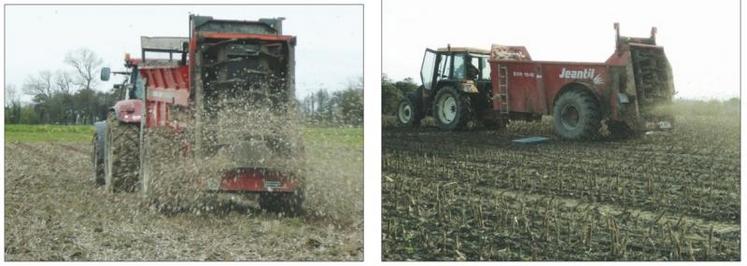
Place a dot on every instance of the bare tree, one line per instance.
(40, 86)
(354, 83)
(12, 105)
(86, 63)
(64, 82)
(11, 95)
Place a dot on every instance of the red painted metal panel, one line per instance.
(166, 85)
(256, 180)
(129, 111)
(158, 82)
(558, 75)
(523, 93)
(533, 85)
(151, 119)
(619, 58)
(168, 78)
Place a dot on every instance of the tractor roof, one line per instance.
(465, 49)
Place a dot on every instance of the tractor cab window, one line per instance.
(460, 68)
(484, 68)
(477, 68)
(475, 62)
(137, 88)
(444, 67)
(428, 68)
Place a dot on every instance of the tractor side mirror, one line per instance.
(106, 73)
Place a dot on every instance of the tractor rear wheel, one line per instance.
(451, 109)
(576, 115)
(406, 113)
(122, 155)
(289, 203)
(98, 162)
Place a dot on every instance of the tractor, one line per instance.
(463, 88)
(222, 63)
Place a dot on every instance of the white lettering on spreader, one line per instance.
(587, 73)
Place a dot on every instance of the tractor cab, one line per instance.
(455, 73)
(456, 66)
(462, 73)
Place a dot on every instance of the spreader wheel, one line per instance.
(122, 155)
(576, 115)
(288, 203)
(451, 109)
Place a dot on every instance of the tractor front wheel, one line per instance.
(122, 155)
(289, 203)
(576, 115)
(406, 113)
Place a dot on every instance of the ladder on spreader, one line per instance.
(503, 107)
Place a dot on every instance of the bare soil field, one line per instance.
(476, 196)
(53, 211)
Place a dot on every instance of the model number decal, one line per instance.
(523, 74)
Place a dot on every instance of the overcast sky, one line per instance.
(329, 51)
(700, 38)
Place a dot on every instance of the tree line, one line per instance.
(71, 96)
(393, 91)
(64, 96)
(343, 107)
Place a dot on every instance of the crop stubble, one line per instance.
(475, 196)
(54, 212)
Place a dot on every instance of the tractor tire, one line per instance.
(576, 115)
(122, 156)
(452, 110)
(288, 203)
(407, 114)
(98, 163)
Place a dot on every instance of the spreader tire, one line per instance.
(576, 115)
(122, 155)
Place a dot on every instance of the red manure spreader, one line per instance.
(466, 87)
(183, 86)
